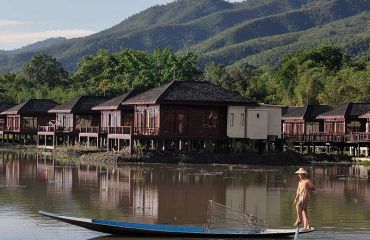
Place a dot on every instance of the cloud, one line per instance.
(23, 38)
(7, 23)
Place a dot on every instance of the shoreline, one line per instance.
(81, 154)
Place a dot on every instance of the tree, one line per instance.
(44, 70)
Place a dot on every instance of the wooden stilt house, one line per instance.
(3, 118)
(345, 120)
(180, 113)
(117, 121)
(25, 118)
(300, 121)
(74, 121)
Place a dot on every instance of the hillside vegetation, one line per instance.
(256, 32)
(319, 75)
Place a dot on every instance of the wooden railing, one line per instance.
(94, 129)
(54, 129)
(316, 137)
(146, 131)
(120, 130)
(46, 129)
(13, 129)
(358, 137)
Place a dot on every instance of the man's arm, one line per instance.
(311, 186)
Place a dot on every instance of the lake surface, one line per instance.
(173, 194)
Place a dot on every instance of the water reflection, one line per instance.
(168, 194)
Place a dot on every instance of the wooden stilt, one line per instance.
(108, 147)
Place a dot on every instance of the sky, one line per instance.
(27, 21)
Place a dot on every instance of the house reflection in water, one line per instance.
(103, 189)
(256, 200)
(14, 167)
(167, 194)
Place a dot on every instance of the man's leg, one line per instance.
(306, 222)
(299, 214)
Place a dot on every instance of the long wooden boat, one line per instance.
(160, 230)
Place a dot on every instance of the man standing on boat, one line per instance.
(302, 198)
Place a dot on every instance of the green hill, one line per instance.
(255, 31)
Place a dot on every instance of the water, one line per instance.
(171, 194)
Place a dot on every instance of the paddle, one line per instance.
(296, 236)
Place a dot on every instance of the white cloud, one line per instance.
(7, 23)
(23, 38)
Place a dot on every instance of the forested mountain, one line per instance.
(255, 31)
(38, 45)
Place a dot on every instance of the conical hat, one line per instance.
(301, 171)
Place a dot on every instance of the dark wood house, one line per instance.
(117, 120)
(3, 118)
(22, 121)
(345, 119)
(367, 117)
(183, 110)
(75, 118)
(303, 120)
(26, 117)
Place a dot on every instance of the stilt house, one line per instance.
(117, 120)
(75, 119)
(3, 118)
(184, 111)
(303, 120)
(345, 118)
(26, 117)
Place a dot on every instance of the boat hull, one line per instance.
(157, 230)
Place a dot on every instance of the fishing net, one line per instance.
(218, 216)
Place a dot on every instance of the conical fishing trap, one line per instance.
(219, 216)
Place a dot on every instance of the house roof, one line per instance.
(351, 110)
(293, 112)
(32, 106)
(6, 106)
(82, 104)
(194, 92)
(114, 103)
(307, 111)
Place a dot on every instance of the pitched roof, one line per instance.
(366, 115)
(114, 103)
(194, 92)
(32, 106)
(307, 111)
(293, 112)
(6, 106)
(347, 110)
(82, 104)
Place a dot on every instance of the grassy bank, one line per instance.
(251, 158)
(82, 154)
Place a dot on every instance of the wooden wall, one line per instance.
(188, 121)
(194, 121)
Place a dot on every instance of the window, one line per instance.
(30, 123)
(65, 120)
(354, 126)
(258, 115)
(210, 120)
(242, 119)
(231, 119)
